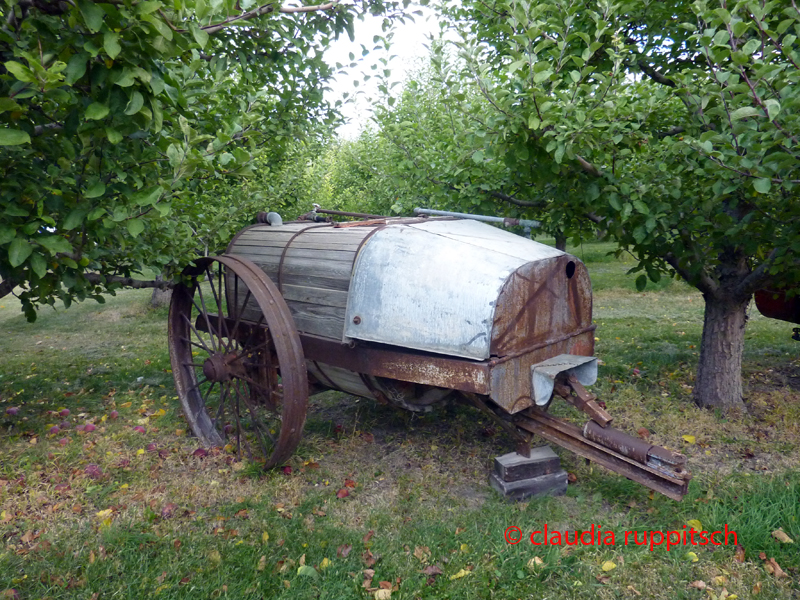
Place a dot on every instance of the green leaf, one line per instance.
(135, 226)
(135, 104)
(18, 251)
(92, 15)
(38, 265)
(477, 157)
(200, 36)
(96, 111)
(76, 68)
(7, 104)
(7, 234)
(15, 211)
(20, 71)
(114, 136)
(542, 75)
(126, 79)
(147, 197)
(13, 137)
(308, 571)
(559, 155)
(762, 185)
(55, 243)
(97, 189)
(641, 282)
(111, 44)
(773, 108)
(751, 46)
(74, 218)
(744, 112)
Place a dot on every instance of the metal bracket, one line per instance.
(543, 374)
(577, 395)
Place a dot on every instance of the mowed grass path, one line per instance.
(118, 513)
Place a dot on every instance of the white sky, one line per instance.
(409, 47)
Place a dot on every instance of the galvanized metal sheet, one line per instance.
(433, 286)
(543, 374)
(491, 238)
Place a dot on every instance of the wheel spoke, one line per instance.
(241, 437)
(208, 392)
(205, 314)
(220, 318)
(249, 352)
(222, 398)
(199, 338)
(257, 427)
(239, 312)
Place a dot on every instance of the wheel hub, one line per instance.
(221, 367)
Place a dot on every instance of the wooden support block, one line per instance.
(551, 484)
(515, 467)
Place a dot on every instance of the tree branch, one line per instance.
(305, 9)
(703, 282)
(588, 167)
(100, 279)
(264, 9)
(758, 278)
(655, 75)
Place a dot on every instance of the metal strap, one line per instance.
(286, 248)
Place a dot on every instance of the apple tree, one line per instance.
(116, 117)
(672, 125)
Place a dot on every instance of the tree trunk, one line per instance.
(160, 297)
(561, 242)
(719, 371)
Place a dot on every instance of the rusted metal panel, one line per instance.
(511, 377)
(400, 364)
(433, 286)
(541, 300)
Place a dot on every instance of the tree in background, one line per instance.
(440, 134)
(119, 120)
(674, 126)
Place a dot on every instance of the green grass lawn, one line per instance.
(118, 513)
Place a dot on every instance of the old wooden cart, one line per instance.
(408, 311)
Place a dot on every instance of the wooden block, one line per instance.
(552, 484)
(515, 467)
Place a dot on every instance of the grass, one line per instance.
(181, 526)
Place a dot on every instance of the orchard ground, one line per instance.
(376, 499)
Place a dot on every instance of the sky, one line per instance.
(409, 50)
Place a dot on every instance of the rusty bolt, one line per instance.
(357, 320)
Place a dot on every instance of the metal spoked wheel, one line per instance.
(237, 360)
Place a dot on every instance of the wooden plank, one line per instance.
(292, 253)
(313, 295)
(326, 321)
(304, 266)
(305, 280)
(328, 283)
